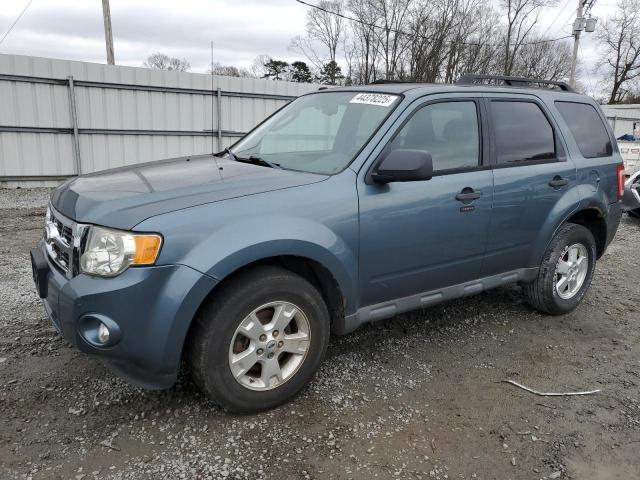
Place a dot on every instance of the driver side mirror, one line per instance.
(404, 165)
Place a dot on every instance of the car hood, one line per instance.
(124, 197)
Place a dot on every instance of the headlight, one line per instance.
(110, 252)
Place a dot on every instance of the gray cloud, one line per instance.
(240, 30)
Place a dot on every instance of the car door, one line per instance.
(425, 235)
(531, 173)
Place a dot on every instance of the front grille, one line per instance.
(65, 232)
(61, 256)
(62, 239)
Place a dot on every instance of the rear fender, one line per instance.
(595, 200)
(568, 204)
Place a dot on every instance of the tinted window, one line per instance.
(448, 131)
(587, 129)
(522, 132)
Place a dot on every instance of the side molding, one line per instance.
(391, 308)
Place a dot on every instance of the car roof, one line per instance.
(420, 89)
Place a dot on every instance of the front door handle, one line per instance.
(468, 195)
(558, 182)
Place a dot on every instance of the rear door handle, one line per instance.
(558, 182)
(468, 195)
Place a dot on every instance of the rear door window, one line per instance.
(587, 129)
(522, 133)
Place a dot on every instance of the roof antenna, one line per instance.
(213, 132)
(213, 149)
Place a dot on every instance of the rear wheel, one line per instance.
(259, 340)
(565, 273)
(634, 213)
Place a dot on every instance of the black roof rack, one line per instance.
(382, 81)
(473, 79)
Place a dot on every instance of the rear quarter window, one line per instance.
(587, 129)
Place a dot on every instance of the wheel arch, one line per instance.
(592, 218)
(589, 213)
(311, 269)
(315, 272)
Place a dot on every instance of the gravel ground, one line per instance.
(415, 397)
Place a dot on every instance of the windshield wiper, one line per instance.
(252, 159)
(262, 161)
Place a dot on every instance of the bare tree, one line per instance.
(325, 26)
(349, 51)
(522, 17)
(161, 61)
(620, 37)
(439, 40)
(308, 48)
(482, 52)
(258, 69)
(390, 40)
(229, 71)
(363, 41)
(543, 59)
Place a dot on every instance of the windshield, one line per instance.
(318, 133)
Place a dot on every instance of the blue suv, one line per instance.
(347, 206)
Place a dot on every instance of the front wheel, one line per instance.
(565, 273)
(259, 340)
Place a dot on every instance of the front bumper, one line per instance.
(152, 308)
(631, 198)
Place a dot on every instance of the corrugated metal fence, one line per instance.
(59, 118)
(622, 118)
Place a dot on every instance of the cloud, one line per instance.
(240, 30)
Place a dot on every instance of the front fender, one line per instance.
(317, 221)
(240, 244)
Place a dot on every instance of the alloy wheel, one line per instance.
(269, 346)
(571, 270)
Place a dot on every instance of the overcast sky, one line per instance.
(240, 29)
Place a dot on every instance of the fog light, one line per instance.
(103, 333)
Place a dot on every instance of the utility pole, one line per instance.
(108, 35)
(581, 23)
(576, 41)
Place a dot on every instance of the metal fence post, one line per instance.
(74, 126)
(219, 106)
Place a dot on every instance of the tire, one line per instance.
(545, 293)
(218, 339)
(634, 213)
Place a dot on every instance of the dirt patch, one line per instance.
(413, 397)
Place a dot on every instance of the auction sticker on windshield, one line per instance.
(380, 99)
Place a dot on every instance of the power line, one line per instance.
(16, 21)
(566, 4)
(591, 86)
(401, 32)
(588, 6)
